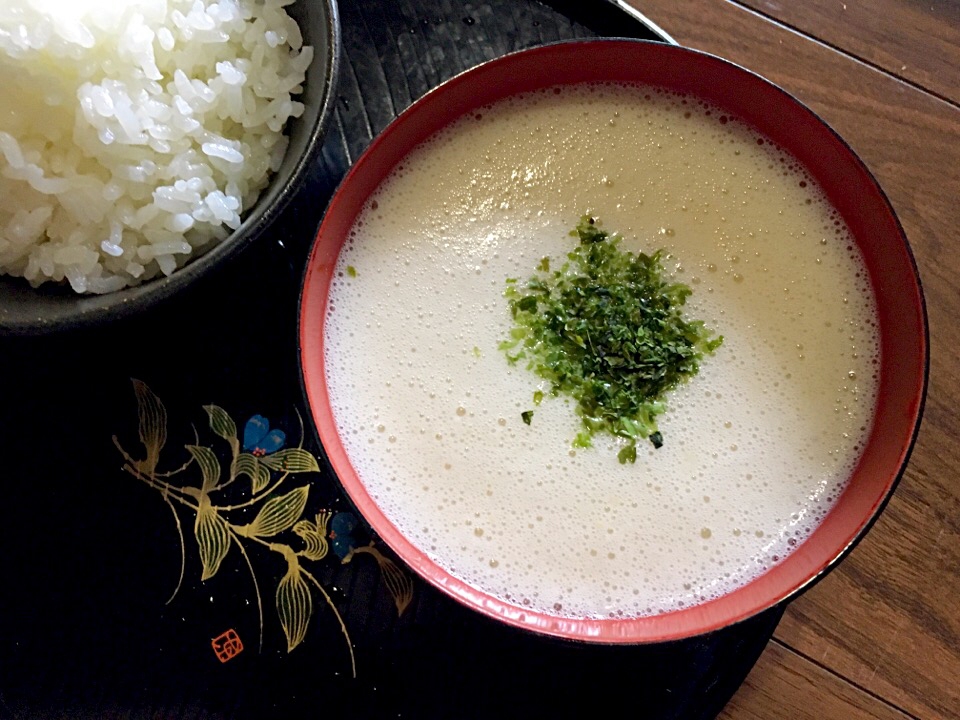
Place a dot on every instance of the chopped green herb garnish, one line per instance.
(607, 329)
(476, 351)
(527, 416)
(351, 271)
(538, 397)
(628, 453)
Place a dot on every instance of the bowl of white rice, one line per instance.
(143, 142)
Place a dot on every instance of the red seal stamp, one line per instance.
(227, 645)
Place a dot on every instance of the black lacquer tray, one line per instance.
(90, 551)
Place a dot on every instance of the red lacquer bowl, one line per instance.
(849, 186)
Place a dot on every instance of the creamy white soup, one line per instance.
(756, 447)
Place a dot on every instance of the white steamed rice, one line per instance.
(134, 133)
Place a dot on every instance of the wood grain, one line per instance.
(917, 41)
(800, 690)
(887, 619)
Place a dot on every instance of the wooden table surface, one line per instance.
(880, 636)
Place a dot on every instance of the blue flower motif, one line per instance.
(259, 439)
(341, 534)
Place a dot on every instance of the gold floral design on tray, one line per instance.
(261, 458)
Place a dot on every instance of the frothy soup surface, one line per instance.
(756, 447)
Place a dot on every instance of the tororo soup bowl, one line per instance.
(848, 186)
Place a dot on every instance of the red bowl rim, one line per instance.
(472, 89)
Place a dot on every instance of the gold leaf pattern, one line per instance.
(213, 538)
(294, 604)
(278, 513)
(153, 424)
(295, 460)
(249, 465)
(314, 536)
(397, 581)
(223, 425)
(215, 528)
(209, 465)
